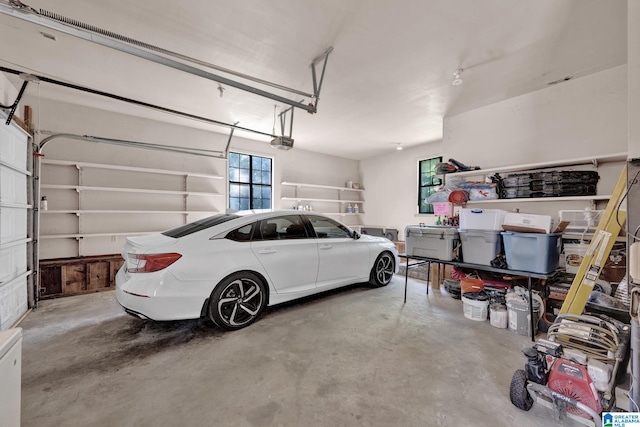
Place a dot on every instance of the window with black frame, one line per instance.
(428, 182)
(249, 181)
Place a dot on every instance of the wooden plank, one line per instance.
(74, 278)
(51, 281)
(98, 275)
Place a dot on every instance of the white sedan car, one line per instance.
(228, 267)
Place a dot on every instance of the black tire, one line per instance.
(382, 270)
(518, 391)
(237, 301)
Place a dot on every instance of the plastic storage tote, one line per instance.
(481, 219)
(537, 253)
(480, 246)
(430, 242)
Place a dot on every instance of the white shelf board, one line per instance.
(81, 235)
(542, 199)
(606, 158)
(343, 213)
(111, 211)
(328, 187)
(128, 168)
(126, 190)
(306, 199)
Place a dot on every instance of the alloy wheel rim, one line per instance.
(240, 302)
(384, 269)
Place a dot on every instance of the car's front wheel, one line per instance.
(382, 270)
(237, 301)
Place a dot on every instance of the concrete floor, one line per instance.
(354, 357)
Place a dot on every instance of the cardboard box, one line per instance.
(527, 223)
(439, 272)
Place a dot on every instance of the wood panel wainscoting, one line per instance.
(75, 276)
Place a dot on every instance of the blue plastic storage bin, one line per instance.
(537, 253)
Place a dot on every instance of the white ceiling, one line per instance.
(388, 79)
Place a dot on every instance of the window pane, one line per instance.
(257, 177)
(424, 193)
(234, 160)
(266, 192)
(244, 175)
(234, 174)
(266, 177)
(234, 190)
(244, 161)
(234, 203)
(242, 234)
(266, 203)
(244, 204)
(244, 190)
(256, 163)
(266, 164)
(193, 227)
(326, 228)
(256, 203)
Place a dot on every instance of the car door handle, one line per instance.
(325, 246)
(267, 251)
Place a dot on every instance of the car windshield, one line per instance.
(196, 226)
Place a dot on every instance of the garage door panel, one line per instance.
(13, 301)
(13, 262)
(13, 186)
(13, 224)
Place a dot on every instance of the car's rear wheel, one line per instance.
(382, 270)
(237, 301)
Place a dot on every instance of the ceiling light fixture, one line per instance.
(399, 146)
(457, 80)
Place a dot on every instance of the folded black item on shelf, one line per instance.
(553, 177)
(550, 190)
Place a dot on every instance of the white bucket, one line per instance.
(475, 310)
(573, 254)
(498, 315)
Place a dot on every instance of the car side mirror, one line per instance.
(356, 236)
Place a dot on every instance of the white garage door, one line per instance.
(14, 210)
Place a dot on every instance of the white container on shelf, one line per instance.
(573, 254)
(480, 246)
(482, 219)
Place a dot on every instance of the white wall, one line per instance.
(294, 165)
(8, 93)
(578, 118)
(391, 183)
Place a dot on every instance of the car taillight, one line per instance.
(147, 263)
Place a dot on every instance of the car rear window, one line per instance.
(196, 226)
